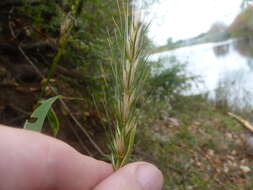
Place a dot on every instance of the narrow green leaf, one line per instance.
(39, 114)
(53, 121)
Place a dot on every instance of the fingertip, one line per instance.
(149, 176)
(134, 176)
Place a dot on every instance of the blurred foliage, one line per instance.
(167, 82)
(92, 23)
(242, 25)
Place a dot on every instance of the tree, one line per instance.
(242, 25)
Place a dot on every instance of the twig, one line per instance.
(80, 126)
(19, 110)
(11, 23)
(242, 121)
(16, 119)
(80, 141)
(30, 61)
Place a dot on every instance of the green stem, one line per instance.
(53, 68)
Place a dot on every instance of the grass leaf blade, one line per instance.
(39, 115)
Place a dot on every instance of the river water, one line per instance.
(225, 69)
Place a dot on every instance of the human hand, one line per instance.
(32, 161)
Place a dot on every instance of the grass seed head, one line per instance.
(128, 71)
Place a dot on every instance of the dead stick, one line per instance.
(242, 121)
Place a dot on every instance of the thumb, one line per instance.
(135, 176)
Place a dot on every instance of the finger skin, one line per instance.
(134, 176)
(32, 161)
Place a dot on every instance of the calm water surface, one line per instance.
(228, 64)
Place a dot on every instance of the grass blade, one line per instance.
(39, 114)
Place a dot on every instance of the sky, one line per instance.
(182, 19)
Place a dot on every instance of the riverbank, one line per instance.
(198, 146)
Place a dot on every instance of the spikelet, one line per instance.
(129, 74)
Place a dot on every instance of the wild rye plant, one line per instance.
(128, 71)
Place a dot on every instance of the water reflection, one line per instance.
(221, 50)
(228, 63)
(244, 46)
